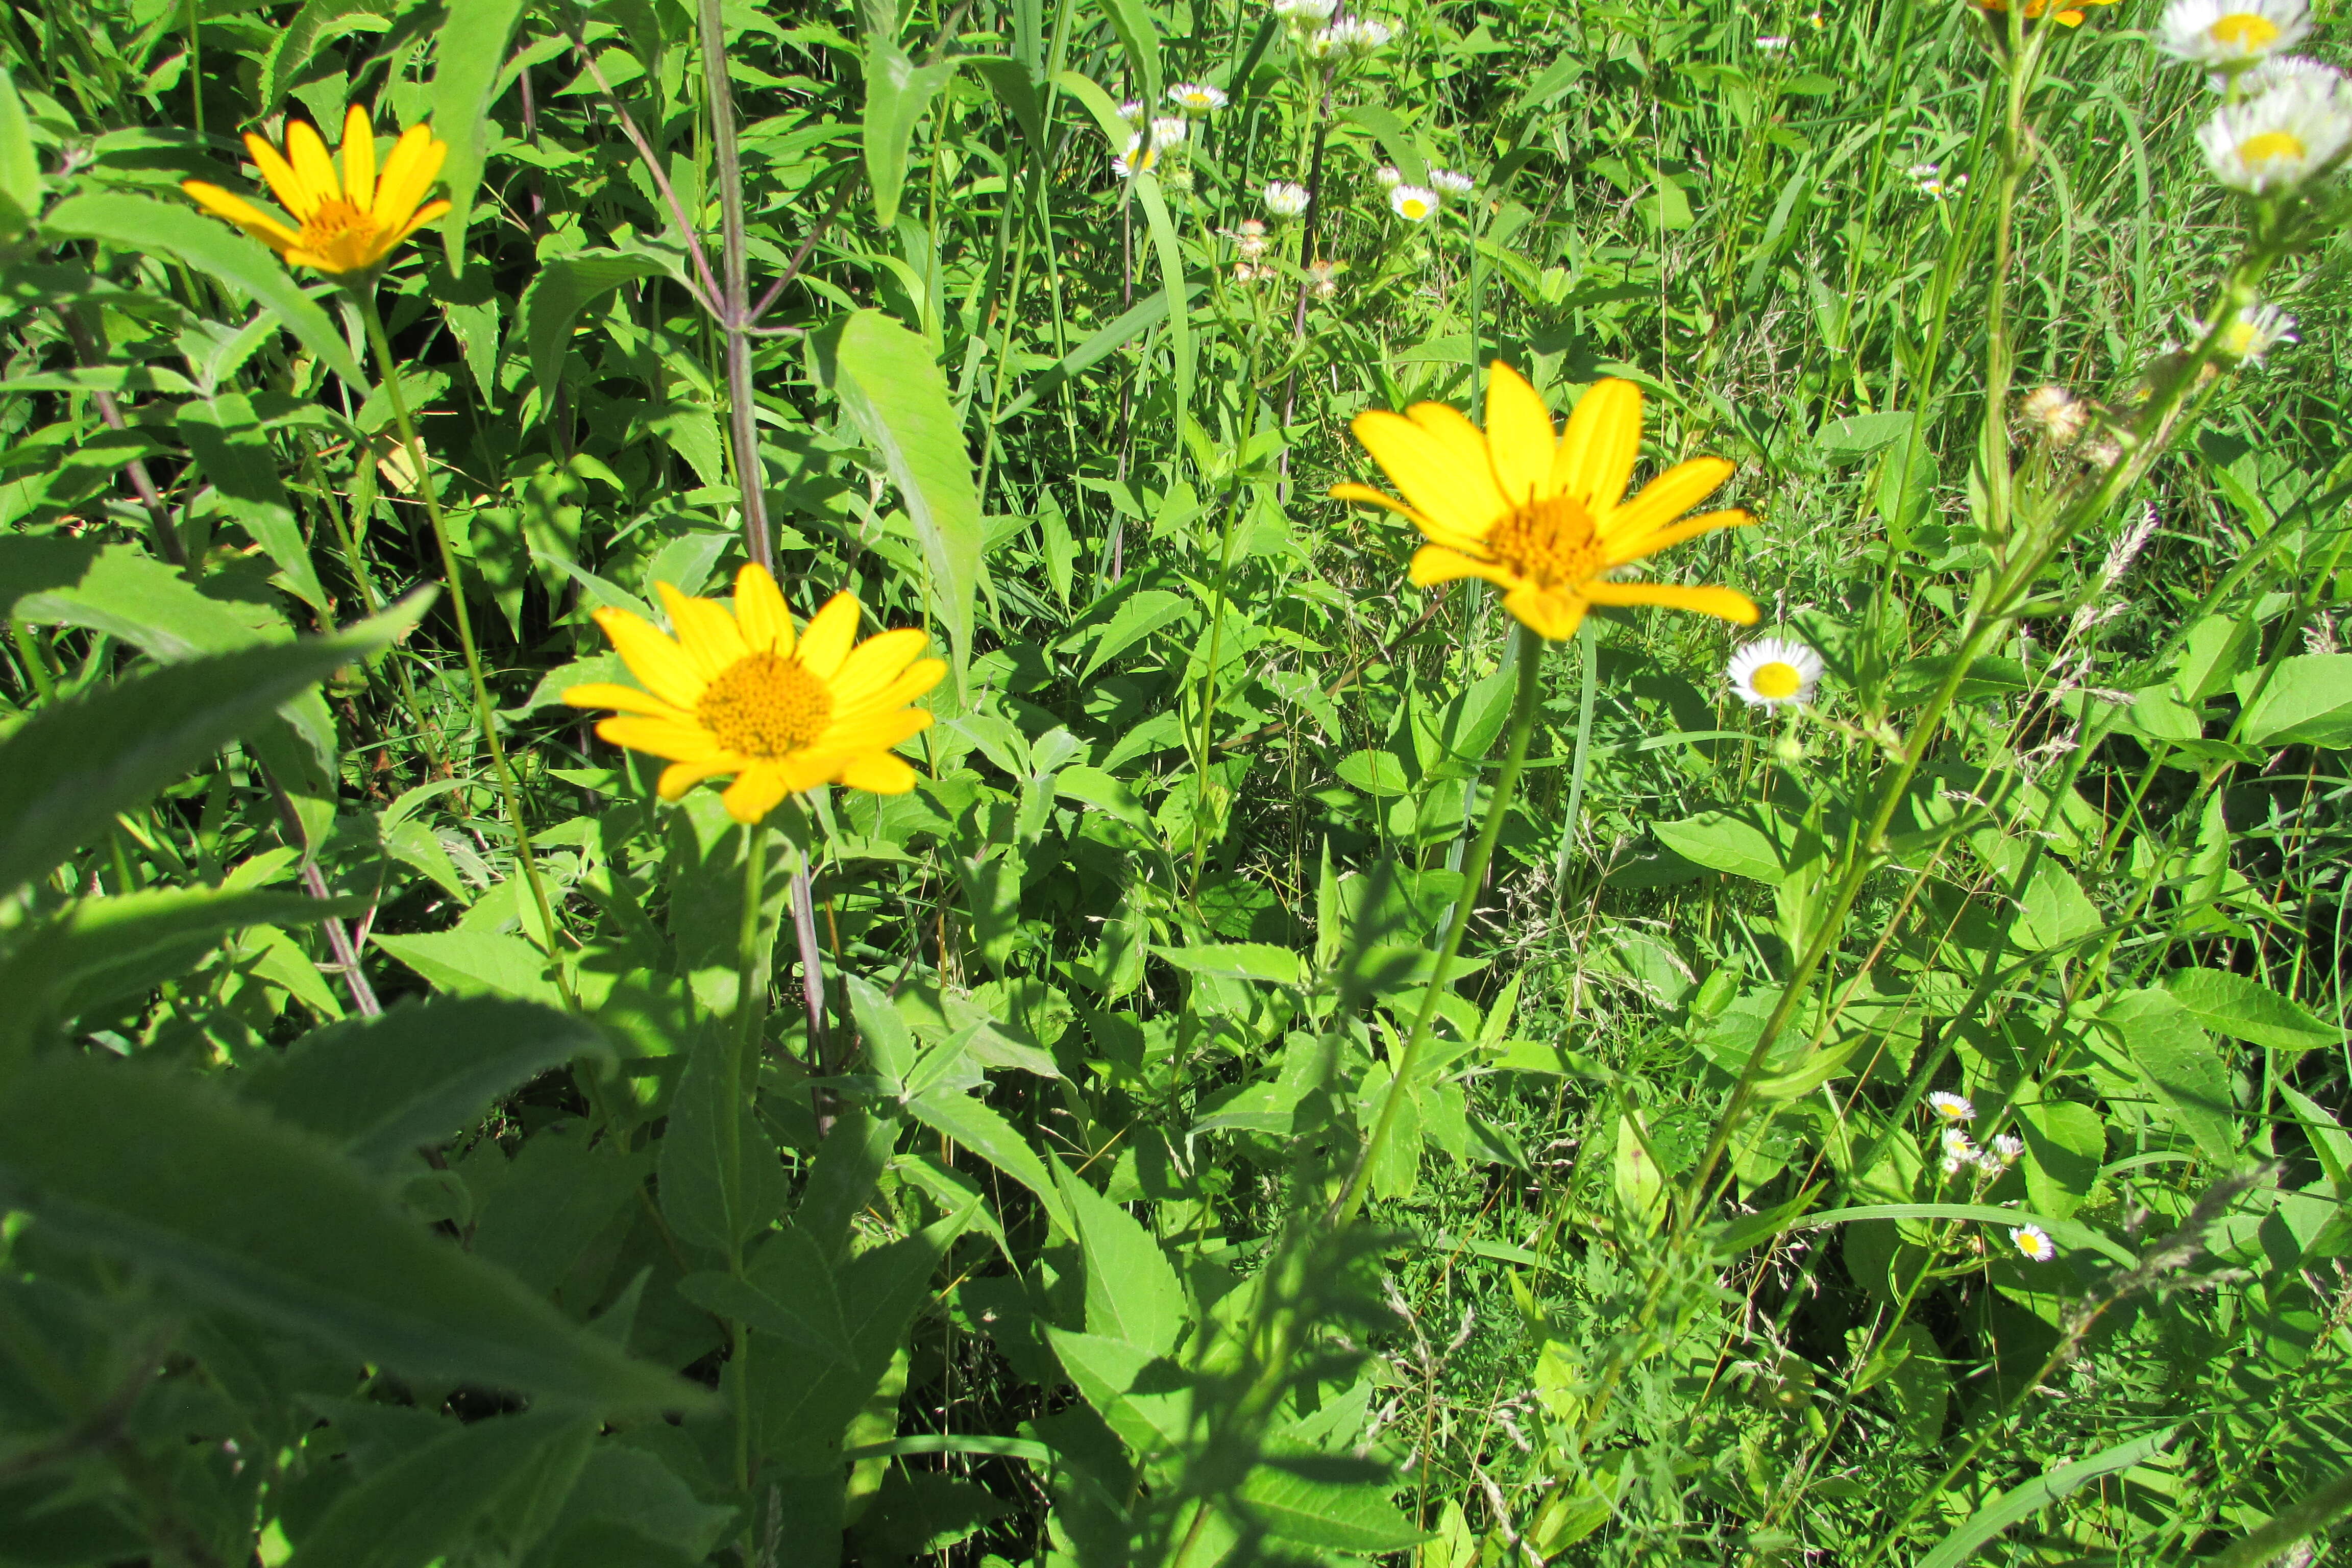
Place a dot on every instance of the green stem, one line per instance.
(742, 1058)
(363, 295)
(1530, 653)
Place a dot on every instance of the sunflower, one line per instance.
(739, 694)
(1543, 517)
(349, 221)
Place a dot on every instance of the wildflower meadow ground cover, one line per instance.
(1138, 784)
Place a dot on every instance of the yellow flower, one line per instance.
(1543, 519)
(2068, 16)
(351, 221)
(739, 694)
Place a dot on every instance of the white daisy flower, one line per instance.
(2034, 1243)
(2002, 1152)
(1166, 133)
(2257, 330)
(1768, 673)
(1304, 13)
(1453, 182)
(1358, 38)
(1953, 1107)
(1322, 46)
(1387, 177)
(1285, 199)
(1249, 238)
(2280, 70)
(1196, 98)
(2280, 139)
(1414, 204)
(1959, 1152)
(1134, 112)
(2230, 35)
(1141, 153)
(1772, 43)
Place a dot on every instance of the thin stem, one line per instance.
(734, 293)
(743, 1068)
(485, 711)
(1530, 653)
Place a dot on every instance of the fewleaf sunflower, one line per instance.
(740, 694)
(351, 219)
(1543, 517)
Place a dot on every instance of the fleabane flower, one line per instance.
(1196, 98)
(1167, 132)
(2279, 140)
(1357, 37)
(2253, 333)
(1414, 204)
(1285, 199)
(351, 218)
(1951, 1108)
(742, 694)
(1304, 13)
(2230, 35)
(1959, 1152)
(1543, 517)
(2281, 70)
(1387, 177)
(2003, 1152)
(1453, 182)
(1768, 673)
(1135, 112)
(2034, 1244)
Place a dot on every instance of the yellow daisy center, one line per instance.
(2243, 30)
(339, 234)
(1550, 542)
(2029, 1245)
(1775, 680)
(1415, 209)
(2273, 147)
(763, 706)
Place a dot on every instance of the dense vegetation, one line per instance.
(1329, 1057)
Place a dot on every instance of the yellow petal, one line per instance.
(1518, 435)
(874, 664)
(1552, 614)
(1441, 487)
(1467, 446)
(824, 641)
(308, 154)
(1723, 602)
(874, 733)
(917, 679)
(1667, 497)
(705, 631)
(759, 610)
(1598, 451)
(757, 791)
(679, 777)
(284, 182)
(359, 158)
(424, 215)
(242, 212)
(627, 699)
(1433, 564)
(882, 774)
(1651, 544)
(659, 664)
(408, 174)
(662, 738)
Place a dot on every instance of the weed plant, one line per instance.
(925, 800)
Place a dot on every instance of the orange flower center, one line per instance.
(763, 706)
(1550, 542)
(339, 235)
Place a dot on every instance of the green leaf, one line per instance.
(1754, 842)
(1010, 81)
(2180, 1063)
(1139, 617)
(129, 595)
(68, 769)
(1147, 313)
(1238, 960)
(143, 226)
(1857, 436)
(721, 1182)
(20, 163)
(2065, 1143)
(2022, 1501)
(1154, 1419)
(897, 92)
(2308, 702)
(1353, 1518)
(379, 1088)
(1131, 1290)
(563, 286)
(1169, 257)
(243, 1212)
(227, 439)
(891, 388)
(1131, 20)
(317, 23)
(2245, 1008)
(468, 56)
(978, 1127)
(468, 962)
(423, 1504)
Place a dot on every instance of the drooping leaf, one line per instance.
(1359, 1519)
(143, 225)
(897, 93)
(980, 1129)
(225, 436)
(20, 163)
(470, 962)
(563, 286)
(1131, 1288)
(243, 1212)
(2026, 1499)
(468, 56)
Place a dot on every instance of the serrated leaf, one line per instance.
(1358, 1519)
(1131, 1290)
(423, 1504)
(473, 962)
(978, 1127)
(2245, 1008)
(2180, 1063)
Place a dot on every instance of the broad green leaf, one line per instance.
(20, 163)
(130, 595)
(2180, 1063)
(142, 226)
(1153, 1418)
(1131, 1290)
(470, 962)
(423, 1505)
(68, 769)
(2027, 1499)
(1107, 792)
(1754, 842)
(1857, 436)
(225, 436)
(1141, 615)
(1910, 1366)
(630, 1488)
(2245, 1008)
(2054, 911)
(2066, 1144)
(2308, 702)
(720, 1180)
(563, 286)
(897, 93)
(243, 1212)
(1237, 960)
(1131, 20)
(811, 1318)
(378, 1088)
(1011, 81)
(468, 53)
(1359, 1519)
(978, 1127)
(316, 25)
(893, 391)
